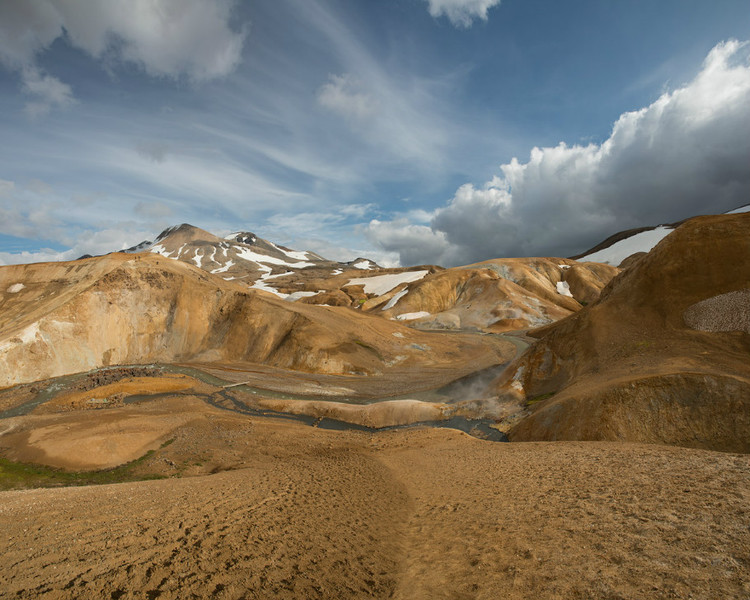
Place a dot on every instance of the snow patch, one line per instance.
(619, 251)
(159, 249)
(296, 255)
(294, 296)
(247, 254)
(279, 275)
(413, 315)
(225, 268)
(397, 334)
(382, 284)
(15, 288)
(337, 272)
(260, 285)
(363, 264)
(564, 266)
(392, 302)
(741, 209)
(198, 259)
(564, 289)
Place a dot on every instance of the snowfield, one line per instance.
(225, 268)
(619, 251)
(247, 254)
(412, 316)
(382, 284)
(295, 254)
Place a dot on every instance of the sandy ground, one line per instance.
(298, 512)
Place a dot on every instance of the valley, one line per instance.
(235, 419)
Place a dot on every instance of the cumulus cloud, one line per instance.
(47, 92)
(461, 12)
(344, 95)
(165, 38)
(687, 153)
(415, 244)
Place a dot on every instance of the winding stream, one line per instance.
(481, 428)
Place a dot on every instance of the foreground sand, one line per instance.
(297, 512)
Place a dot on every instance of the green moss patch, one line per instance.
(17, 475)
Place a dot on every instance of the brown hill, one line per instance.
(498, 295)
(60, 318)
(661, 357)
(492, 296)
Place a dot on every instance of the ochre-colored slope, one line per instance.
(629, 367)
(123, 309)
(501, 295)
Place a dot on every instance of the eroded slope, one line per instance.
(123, 309)
(631, 366)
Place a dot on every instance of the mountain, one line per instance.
(634, 243)
(497, 295)
(61, 318)
(662, 356)
(240, 256)
(492, 296)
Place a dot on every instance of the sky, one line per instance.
(408, 131)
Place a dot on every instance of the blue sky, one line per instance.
(411, 131)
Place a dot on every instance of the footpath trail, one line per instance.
(322, 525)
(408, 514)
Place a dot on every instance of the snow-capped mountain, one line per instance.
(620, 246)
(242, 256)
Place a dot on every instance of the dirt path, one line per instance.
(574, 520)
(409, 515)
(326, 525)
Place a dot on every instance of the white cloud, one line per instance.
(89, 242)
(166, 38)
(461, 12)
(415, 244)
(26, 212)
(153, 210)
(403, 117)
(687, 153)
(338, 252)
(345, 95)
(153, 150)
(48, 92)
(6, 187)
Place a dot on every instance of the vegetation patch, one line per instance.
(17, 475)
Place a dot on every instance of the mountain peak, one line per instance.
(186, 233)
